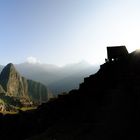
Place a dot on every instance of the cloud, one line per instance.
(32, 60)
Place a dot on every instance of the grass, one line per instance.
(27, 108)
(16, 112)
(8, 112)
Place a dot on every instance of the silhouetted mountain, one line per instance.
(57, 79)
(106, 106)
(15, 87)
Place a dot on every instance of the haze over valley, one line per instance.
(57, 79)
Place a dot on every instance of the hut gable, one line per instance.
(116, 52)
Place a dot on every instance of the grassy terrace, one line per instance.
(18, 109)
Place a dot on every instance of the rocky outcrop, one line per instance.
(1, 90)
(14, 85)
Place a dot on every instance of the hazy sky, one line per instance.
(66, 31)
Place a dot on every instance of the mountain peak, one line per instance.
(10, 78)
(8, 71)
(9, 67)
(17, 86)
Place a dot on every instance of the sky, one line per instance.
(66, 31)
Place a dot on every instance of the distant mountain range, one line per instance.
(57, 79)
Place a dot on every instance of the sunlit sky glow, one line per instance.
(66, 31)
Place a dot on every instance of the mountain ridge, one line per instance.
(56, 77)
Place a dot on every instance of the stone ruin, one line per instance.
(115, 53)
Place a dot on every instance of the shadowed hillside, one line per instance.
(106, 106)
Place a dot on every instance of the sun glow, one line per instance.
(138, 50)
